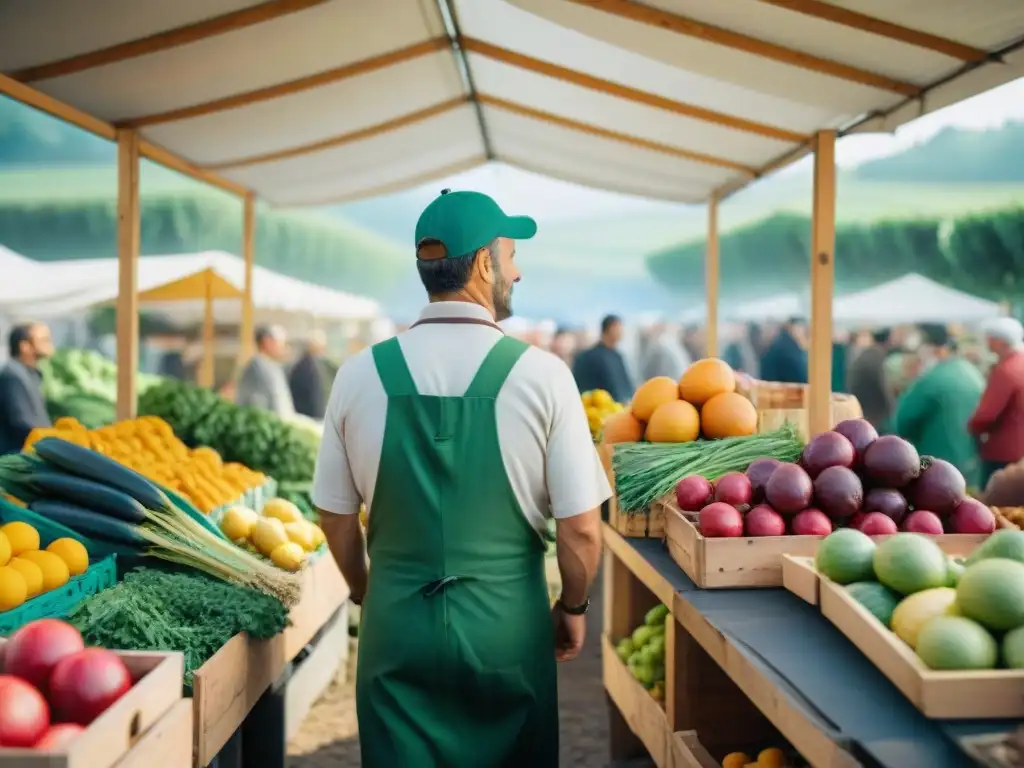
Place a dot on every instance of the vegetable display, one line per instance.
(248, 436)
(149, 446)
(848, 477)
(172, 530)
(52, 686)
(955, 614)
(646, 472)
(155, 609)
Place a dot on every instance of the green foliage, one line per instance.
(982, 253)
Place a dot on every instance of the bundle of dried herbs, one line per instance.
(186, 611)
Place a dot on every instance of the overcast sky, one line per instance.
(518, 190)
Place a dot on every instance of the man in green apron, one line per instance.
(463, 443)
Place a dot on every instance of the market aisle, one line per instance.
(328, 738)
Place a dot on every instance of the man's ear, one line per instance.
(485, 266)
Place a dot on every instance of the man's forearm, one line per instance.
(348, 546)
(579, 553)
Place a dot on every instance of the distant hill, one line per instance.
(956, 156)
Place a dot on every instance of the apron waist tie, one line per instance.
(439, 585)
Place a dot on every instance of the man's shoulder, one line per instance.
(539, 365)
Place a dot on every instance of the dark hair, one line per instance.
(19, 333)
(796, 320)
(608, 321)
(935, 334)
(881, 335)
(440, 273)
(263, 332)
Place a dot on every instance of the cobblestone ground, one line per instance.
(329, 736)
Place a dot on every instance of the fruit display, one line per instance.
(646, 472)
(849, 477)
(28, 569)
(280, 532)
(955, 614)
(82, 384)
(704, 402)
(643, 651)
(599, 405)
(248, 436)
(772, 757)
(52, 687)
(109, 505)
(149, 446)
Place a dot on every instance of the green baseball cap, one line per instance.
(464, 222)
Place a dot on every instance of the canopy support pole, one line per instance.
(128, 224)
(711, 279)
(206, 370)
(247, 342)
(823, 240)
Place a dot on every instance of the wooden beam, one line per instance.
(627, 93)
(604, 133)
(30, 97)
(206, 368)
(247, 342)
(900, 34)
(163, 41)
(682, 25)
(167, 159)
(823, 240)
(711, 272)
(128, 224)
(280, 90)
(350, 137)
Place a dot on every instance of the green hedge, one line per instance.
(306, 246)
(983, 254)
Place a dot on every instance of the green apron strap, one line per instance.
(394, 373)
(495, 368)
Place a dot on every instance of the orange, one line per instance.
(674, 422)
(706, 378)
(728, 415)
(652, 393)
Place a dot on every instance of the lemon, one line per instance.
(55, 571)
(238, 522)
(318, 535)
(301, 534)
(288, 556)
(73, 553)
(283, 510)
(31, 572)
(13, 589)
(587, 398)
(5, 549)
(601, 399)
(268, 534)
(22, 536)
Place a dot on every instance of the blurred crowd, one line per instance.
(956, 393)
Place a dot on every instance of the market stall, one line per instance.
(856, 598)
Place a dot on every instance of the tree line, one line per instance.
(980, 253)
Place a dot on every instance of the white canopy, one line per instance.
(67, 286)
(314, 101)
(912, 298)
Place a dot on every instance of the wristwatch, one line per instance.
(575, 610)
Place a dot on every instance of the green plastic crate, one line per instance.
(58, 603)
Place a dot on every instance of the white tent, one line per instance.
(775, 308)
(912, 298)
(61, 287)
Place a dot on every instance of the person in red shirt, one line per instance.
(999, 420)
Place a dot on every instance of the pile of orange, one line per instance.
(704, 402)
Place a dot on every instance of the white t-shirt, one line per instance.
(549, 456)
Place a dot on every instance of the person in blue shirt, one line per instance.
(602, 366)
(786, 358)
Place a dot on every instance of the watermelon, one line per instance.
(877, 598)
(846, 556)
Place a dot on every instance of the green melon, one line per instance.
(911, 562)
(877, 598)
(954, 570)
(656, 616)
(1004, 543)
(846, 556)
(992, 593)
(953, 642)
(1013, 648)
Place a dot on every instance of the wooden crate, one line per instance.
(643, 714)
(158, 684)
(974, 695)
(636, 525)
(770, 419)
(688, 752)
(168, 744)
(756, 562)
(228, 685)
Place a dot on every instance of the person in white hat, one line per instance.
(999, 420)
